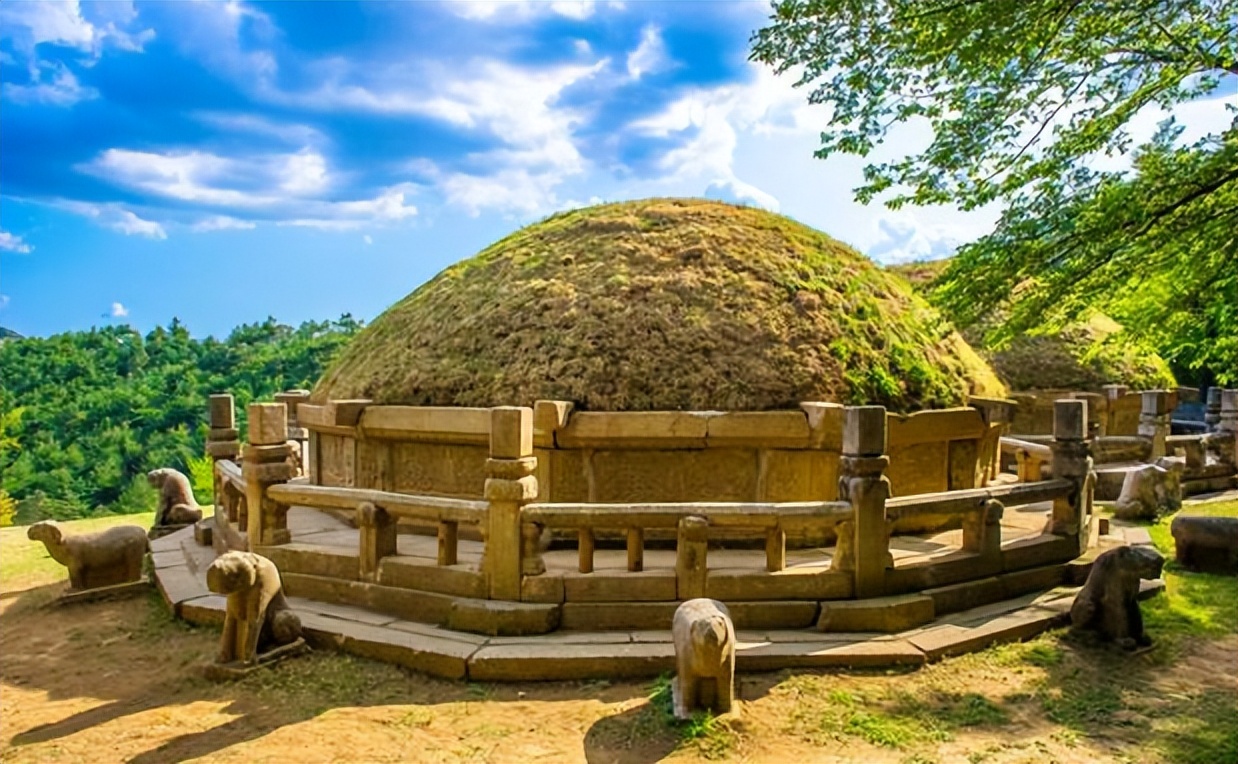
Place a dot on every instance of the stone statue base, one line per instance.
(226, 672)
(116, 591)
(204, 532)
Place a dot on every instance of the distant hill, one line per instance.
(9, 334)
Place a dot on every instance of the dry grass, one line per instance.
(1084, 356)
(662, 304)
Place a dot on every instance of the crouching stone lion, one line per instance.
(257, 618)
(704, 638)
(1108, 604)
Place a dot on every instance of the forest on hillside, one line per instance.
(84, 415)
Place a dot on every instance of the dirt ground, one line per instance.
(120, 681)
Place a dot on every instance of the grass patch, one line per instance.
(712, 738)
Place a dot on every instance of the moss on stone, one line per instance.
(662, 304)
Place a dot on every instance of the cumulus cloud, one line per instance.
(922, 234)
(62, 23)
(50, 83)
(221, 223)
(738, 192)
(650, 55)
(119, 310)
(195, 176)
(13, 243)
(292, 133)
(115, 217)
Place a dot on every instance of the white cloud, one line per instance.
(301, 135)
(212, 179)
(388, 207)
(221, 223)
(13, 243)
(119, 311)
(4, 300)
(736, 191)
(920, 234)
(113, 216)
(650, 55)
(367, 239)
(494, 10)
(60, 23)
(582, 47)
(50, 83)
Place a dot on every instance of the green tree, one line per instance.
(1023, 96)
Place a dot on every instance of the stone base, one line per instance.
(116, 591)
(204, 532)
(225, 672)
(160, 531)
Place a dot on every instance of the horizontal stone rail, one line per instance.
(691, 519)
(230, 492)
(973, 499)
(1192, 447)
(1029, 457)
(377, 513)
(427, 508)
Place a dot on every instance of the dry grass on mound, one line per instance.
(662, 304)
(1084, 356)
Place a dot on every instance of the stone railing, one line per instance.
(377, 513)
(230, 493)
(512, 521)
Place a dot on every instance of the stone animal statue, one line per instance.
(294, 458)
(1149, 491)
(1206, 544)
(704, 638)
(104, 558)
(257, 617)
(177, 505)
(1108, 604)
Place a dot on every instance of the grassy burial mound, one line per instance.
(1083, 356)
(662, 304)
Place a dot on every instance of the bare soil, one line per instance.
(119, 681)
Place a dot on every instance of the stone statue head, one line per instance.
(45, 531)
(230, 573)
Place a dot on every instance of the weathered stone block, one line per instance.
(503, 619)
(882, 614)
(223, 412)
(864, 432)
(1070, 419)
(511, 432)
(268, 424)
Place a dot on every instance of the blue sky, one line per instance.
(221, 162)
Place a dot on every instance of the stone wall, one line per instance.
(610, 457)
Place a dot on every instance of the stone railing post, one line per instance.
(509, 486)
(265, 464)
(377, 537)
(1112, 393)
(862, 482)
(1154, 419)
(1223, 443)
(223, 443)
(1212, 408)
(691, 557)
(296, 433)
(1072, 460)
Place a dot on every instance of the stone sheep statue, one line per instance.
(1149, 491)
(1108, 604)
(704, 638)
(1206, 544)
(257, 617)
(177, 506)
(104, 558)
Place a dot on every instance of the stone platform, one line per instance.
(1027, 603)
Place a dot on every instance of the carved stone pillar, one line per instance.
(223, 440)
(862, 482)
(296, 433)
(1154, 419)
(265, 463)
(509, 486)
(1212, 408)
(1072, 460)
